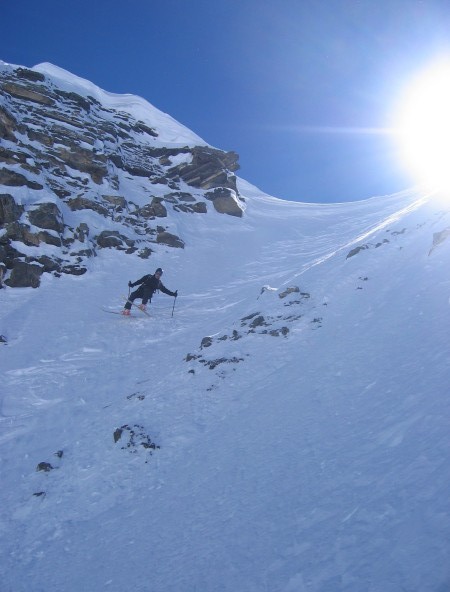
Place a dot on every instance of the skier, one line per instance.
(147, 287)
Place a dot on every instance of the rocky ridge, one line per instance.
(77, 176)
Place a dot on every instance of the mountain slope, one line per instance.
(285, 430)
(83, 170)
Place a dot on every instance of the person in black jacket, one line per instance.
(147, 287)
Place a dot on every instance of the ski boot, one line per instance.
(126, 312)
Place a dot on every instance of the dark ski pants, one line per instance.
(139, 293)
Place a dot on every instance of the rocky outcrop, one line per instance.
(25, 93)
(13, 179)
(114, 239)
(134, 436)
(225, 201)
(439, 238)
(208, 168)
(156, 209)
(66, 159)
(196, 208)
(9, 210)
(360, 248)
(25, 275)
(20, 232)
(85, 161)
(171, 240)
(8, 125)
(84, 203)
(48, 216)
(117, 201)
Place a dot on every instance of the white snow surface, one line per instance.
(312, 461)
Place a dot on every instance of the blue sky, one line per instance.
(293, 86)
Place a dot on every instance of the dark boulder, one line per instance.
(225, 201)
(9, 210)
(47, 216)
(13, 179)
(171, 240)
(207, 169)
(83, 203)
(154, 210)
(25, 275)
(113, 238)
(8, 125)
(25, 93)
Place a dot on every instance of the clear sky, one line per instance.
(297, 87)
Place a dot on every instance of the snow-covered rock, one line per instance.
(68, 145)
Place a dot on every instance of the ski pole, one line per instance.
(173, 307)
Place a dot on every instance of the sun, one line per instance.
(424, 127)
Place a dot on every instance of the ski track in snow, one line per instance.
(315, 460)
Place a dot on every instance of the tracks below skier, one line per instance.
(148, 285)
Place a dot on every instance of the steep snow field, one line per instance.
(303, 447)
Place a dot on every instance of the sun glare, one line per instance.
(424, 128)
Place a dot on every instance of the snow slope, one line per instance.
(307, 451)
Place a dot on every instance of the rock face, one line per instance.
(9, 210)
(48, 216)
(25, 274)
(225, 201)
(66, 156)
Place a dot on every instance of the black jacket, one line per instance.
(149, 284)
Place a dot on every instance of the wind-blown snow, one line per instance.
(315, 461)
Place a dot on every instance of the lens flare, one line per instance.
(424, 128)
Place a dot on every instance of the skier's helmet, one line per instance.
(159, 270)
